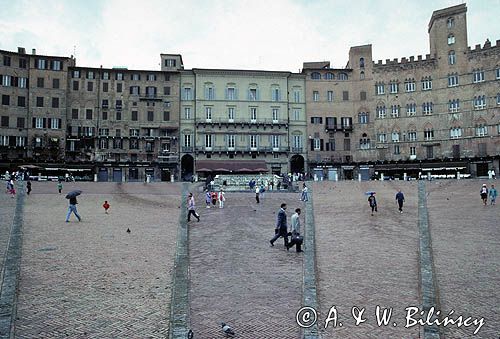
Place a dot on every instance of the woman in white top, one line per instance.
(221, 198)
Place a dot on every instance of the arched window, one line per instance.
(329, 76)
(343, 76)
(364, 142)
(362, 62)
(361, 75)
(451, 39)
(315, 76)
(452, 58)
(450, 22)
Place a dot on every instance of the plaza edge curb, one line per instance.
(11, 270)
(179, 305)
(309, 285)
(428, 283)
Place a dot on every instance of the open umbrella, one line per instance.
(370, 193)
(73, 194)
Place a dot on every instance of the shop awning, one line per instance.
(234, 166)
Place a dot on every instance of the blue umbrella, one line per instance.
(73, 194)
(370, 193)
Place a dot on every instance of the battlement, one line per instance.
(486, 47)
(404, 61)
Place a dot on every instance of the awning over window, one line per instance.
(234, 166)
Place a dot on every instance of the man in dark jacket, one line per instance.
(400, 198)
(281, 226)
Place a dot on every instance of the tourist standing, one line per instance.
(257, 192)
(28, 187)
(493, 194)
(106, 206)
(484, 194)
(400, 198)
(222, 198)
(372, 202)
(208, 199)
(59, 186)
(281, 229)
(191, 208)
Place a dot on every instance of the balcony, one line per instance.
(187, 149)
(167, 158)
(242, 149)
(149, 97)
(297, 149)
(242, 122)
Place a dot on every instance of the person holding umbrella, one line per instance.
(72, 204)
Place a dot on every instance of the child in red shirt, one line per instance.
(106, 206)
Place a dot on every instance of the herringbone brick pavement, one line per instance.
(91, 279)
(236, 277)
(466, 244)
(7, 208)
(365, 260)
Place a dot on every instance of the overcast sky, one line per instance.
(237, 34)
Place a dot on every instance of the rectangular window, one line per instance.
(455, 133)
(187, 112)
(426, 84)
(55, 102)
(396, 150)
(380, 89)
(329, 96)
(452, 80)
(381, 112)
(208, 114)
(231, 93)
(105, 86)
(275, 141)
(134, 132)
(104, 115)
(479, 102)
(411, 109)
(5, 121)
(105, 103)
(166, 116)
(315, 96)
(119, 87)
(6, 80)
(230, 114)
(231, 141)
(345, 95)
(453, 105)
(208, 141)
(253, 114)
(20, 141)
(151, 77)
(56, 65)
(105, 75)
(6, 60)
(151, 116)
(23, 63)
(478, 76)
(41, 64)
(428, 134)
(347, 144)
(90, 75)
(55, 123)
(76, 73)
(187, 93)
(395, 136)
(395, 111)
(316, 120)
(275, 94)
(209, 93)
(276, 113)
(296, 114)
(382, 138)
(134, 116)
(5, 99)
(55, 83)
(119, 76)
(170, 62)
(166, 90)
(427, 108)
(296, 95)
(39, 123)
(252, 94)
(88, 114)
(118, 116)
(21, 101)
(253, 142)
(410, 86)
(481, 131)
(39, 101)
(22, 82)
(413, 150)
(90, 86)
(394, 87)
(74, 113)
(76, 85)
(40, 82)
(118, 104)
(187, 140)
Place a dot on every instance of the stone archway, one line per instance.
(297, 164)
(187, 167)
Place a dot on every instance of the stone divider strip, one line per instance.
(179, 305)
(309, 285)
(428, 283)
(9, 277)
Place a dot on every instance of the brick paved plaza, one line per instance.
(92, 279)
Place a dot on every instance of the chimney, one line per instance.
(33, 51)
(21, 50)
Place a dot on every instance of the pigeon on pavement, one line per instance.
(227, 329)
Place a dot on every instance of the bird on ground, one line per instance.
(190, 334)
(128, 230)
(227, 329)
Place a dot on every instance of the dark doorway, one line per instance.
(482, 169)
(297, 164)
(117, 174)
(348, 174)
(133, 174)
(187, 167)
(103, 174)
(165, 174)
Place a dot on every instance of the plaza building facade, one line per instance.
(438, 114)
(242, 121)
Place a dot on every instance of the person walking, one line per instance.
(484, 194)
(208, 199)
(400, 198)
(59, 186)
(257, 192)
(372, 202)
(281, 229)
(28, 187)
(304, 196)
(106, 206)
(222, 198)
(191, 208)
(72, 209)
(493, 194)
(12, 188)
(295, 231)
